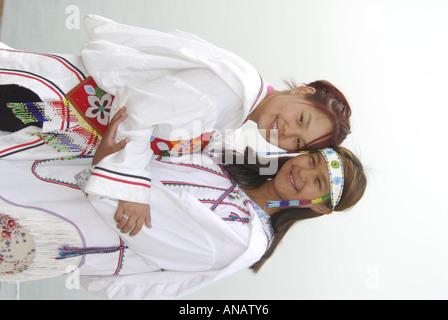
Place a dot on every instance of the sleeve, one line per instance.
(157, 104)
(198, 228)
(150, 73)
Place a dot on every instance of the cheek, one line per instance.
(287, 144)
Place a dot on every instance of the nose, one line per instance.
(300, 177)
(286, 130)
(290, 128)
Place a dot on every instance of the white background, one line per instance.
(390, 60)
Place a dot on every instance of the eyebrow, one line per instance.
(309, 122)
(307, 126)
(323, 177)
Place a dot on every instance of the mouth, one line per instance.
(274, 124)
(290, 181)
(274, 127)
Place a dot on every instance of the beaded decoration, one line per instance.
(295, 203)
(336, 172)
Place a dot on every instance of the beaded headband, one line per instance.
(336, 172)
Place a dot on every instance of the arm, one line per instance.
(129, 215)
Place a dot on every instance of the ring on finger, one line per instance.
(124, 216)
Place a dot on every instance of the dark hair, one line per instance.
(248, 176)
(329, 100)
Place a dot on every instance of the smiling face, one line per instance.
(303, 177)
(289, 121)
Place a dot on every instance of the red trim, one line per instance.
(22, 75)
(49, 56)
(119, 180)
(22, 145)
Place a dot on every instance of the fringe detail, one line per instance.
(28, 112)
(48, 232)
(67, 252)
(61, 142)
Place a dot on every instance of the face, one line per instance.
(304, 177)
(291, 122)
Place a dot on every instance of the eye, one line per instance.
(301, 120)
(298, 144)
(318, 183)
(313, 162)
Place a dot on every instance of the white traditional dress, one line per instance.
(204, 228)
(178, 90)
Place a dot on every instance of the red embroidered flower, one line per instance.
(100, 108)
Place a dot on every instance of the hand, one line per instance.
(108, 145)
(131, 216)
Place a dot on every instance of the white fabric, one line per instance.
(166, 81)
(193, 244)
(175, 86)
(51, 77)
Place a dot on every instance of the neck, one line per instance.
(262, 194)
(254, 115)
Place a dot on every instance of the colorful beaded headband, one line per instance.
(336, 172)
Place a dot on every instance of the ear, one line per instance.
(321, 208)
(303, 91)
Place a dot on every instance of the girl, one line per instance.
(178, 89)
(209, 221)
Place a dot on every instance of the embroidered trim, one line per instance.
(120, 180)
(52, 180)
(196, 166)
(92, 103)
(167, 147)
(120, 257)
(68, 252)
(185, 184)
(221, 198)
(226, 204)
(233, 217)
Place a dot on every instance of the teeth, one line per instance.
(292, 181)
(276, 124)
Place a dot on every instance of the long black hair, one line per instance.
(244, 168)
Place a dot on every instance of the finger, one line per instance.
(120, 145)
(122, 222)
(112, 130)
(148, 221)
(119, 212)
(118, 116)
(129, 225)
(138, 226)
(115, 121)
(121, 117)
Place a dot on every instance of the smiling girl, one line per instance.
(171, 85)
(309, 117)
